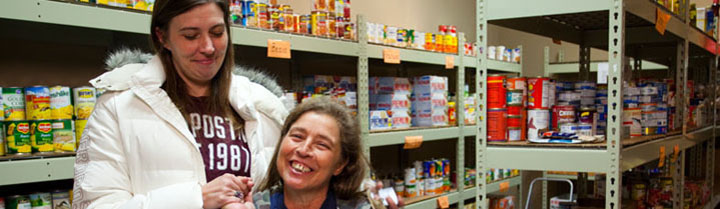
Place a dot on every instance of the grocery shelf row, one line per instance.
(455, 197)
(65, 13)
(99, 17)
(624, 28)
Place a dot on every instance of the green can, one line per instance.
(17, 135)
(13, 103)
(41, 136)
(63, 135)
(41, 200)
(18, 202)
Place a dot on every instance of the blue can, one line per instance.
(428, 169)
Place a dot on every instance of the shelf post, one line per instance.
(710, 145)
(681, 94)
(678, 175)
(616, 53)
(584, 62)
(546, 62)
(460, 118)
(362, 82)
(481, 92)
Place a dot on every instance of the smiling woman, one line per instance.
(319, 161)
(180, 131)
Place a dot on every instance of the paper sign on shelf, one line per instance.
(504, 186)
(661, 162)
(602, 72)
(449, 62)
(676, 153)
(443, 202)
(278, 49)
(661, 21)
(391, 56)
(412, 142)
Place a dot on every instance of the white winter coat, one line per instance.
(137, 151)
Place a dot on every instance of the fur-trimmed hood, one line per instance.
(126, 56)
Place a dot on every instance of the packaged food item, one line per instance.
(41, 136)
(61, 103)
(18, 137)
(84, 101)
(37, 102)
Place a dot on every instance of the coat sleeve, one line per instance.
(102, 177)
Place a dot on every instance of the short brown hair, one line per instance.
(174, 86)
(346, 184)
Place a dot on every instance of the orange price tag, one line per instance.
(412, 142)
(662, 157)
(504, 186)
(278, 49)
(391, 56)
(443, 202)
(676, 153)
(449, 62)
(661, 21)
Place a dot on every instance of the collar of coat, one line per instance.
(245, 96)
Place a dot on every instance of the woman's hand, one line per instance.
(248, 204)
(223, 189)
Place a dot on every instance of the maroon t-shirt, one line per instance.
(223, 150)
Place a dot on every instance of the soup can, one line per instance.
(539, 93)
(496, 125)
(538, 122)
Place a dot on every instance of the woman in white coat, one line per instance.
(180, 131)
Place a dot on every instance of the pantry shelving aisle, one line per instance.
(611, 25)
(77, 16)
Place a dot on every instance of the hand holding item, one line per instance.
(225, 190)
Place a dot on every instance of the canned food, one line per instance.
(84, 101)
(515, 109)
(514, 133)
(562, 114)
(2, 146)
(514, 121)
(400, 188)
(410, 191)
(261, 12)
(318, 23)
(496, 125)
(60, 103)
(13, 103)
(492, 52)
(79, 129)
(41, 136)
(648, 107)
(638, 192)
(496, 93)
(568, 128)
(524, 125)
(538, 121)
(420, 187)
(515, 97)
(18, 137)
(63, 135)
(41, 200)
(428, 169)
(37, 103)
(18, 202)
(429, 186)
(586, 115)
(584, 129)
(61, 199)
(539, 93)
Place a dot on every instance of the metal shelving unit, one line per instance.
(610, 25)
(97, 17)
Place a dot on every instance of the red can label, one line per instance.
(562, 114)
(515, 110)
(539, 93)
(514, 121)
(496, 125)
(496, 91)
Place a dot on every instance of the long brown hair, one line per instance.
(346, 184)
(174, 86)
